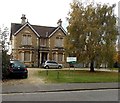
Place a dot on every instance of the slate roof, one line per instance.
(43, 31)
(15, 27)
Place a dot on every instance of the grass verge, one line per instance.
(78, 76)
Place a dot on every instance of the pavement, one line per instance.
(25, 88)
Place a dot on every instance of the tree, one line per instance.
(3, 47)
(92, 33)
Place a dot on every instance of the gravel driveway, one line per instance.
(32, 79)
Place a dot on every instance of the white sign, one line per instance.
(71, 59)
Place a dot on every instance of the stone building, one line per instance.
(34, 44)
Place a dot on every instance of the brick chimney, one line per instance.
(23, 19)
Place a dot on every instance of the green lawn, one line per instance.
(115, 68)
(77, 76)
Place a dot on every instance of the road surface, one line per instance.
(86, 95)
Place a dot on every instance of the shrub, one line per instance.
(5, 63)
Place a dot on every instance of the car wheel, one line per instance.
(47, 67)
(59, 67)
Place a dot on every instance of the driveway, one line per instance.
(32, 78)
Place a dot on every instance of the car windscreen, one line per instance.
(18, 64)
(52, 62)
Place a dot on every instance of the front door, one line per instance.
(44, 57)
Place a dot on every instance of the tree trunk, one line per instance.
(92, 66)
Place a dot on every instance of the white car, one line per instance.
(51, 64)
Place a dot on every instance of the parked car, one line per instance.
(71, 65)
(51, 64)
(17, 68)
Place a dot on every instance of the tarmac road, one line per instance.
(85, 95)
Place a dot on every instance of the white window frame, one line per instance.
(26, 39)
(59, 42)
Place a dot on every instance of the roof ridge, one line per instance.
(16, 23)
(44, 26)
(37, 25)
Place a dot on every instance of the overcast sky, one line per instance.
(39, 12)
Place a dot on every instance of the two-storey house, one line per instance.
(34, 44)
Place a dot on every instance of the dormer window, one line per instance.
(26, 39)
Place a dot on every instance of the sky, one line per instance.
(39, 12)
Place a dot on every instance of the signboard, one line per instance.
(71, 59)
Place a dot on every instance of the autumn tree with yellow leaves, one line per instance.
(92, 33)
